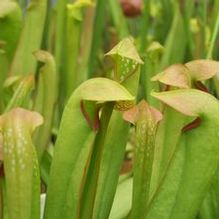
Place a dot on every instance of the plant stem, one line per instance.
(189, 7)
(213, 39)
(145, 26)
(45, 100)
(86, 40)
(35, 17)
(93, 172)
(118, 19)
(97, 35)
(210, 51)
(3, 72)
(60, 31)
(23, 4)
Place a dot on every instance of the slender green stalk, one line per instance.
(60, 46)
(45, 166)
(144, 42)
(35, 17)
(166, 19)
(213, 38)
(176, 40)
(211, 49)
(46, 40)
(3, 73)
(110, 165)
(70, 77)
(86, 39)
(91, 181)
(189, 8)
(72, 50)
(98, 26)
(215, 7)
(23, 4)
(47, 99)
(144, 26)
(203, 14)
(60, 33)
(152, 61)
(118, 19)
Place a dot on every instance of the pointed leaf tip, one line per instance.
(131, 115)
(126, 49)
(190, 102)
(75, 8)
(202, 69)
(155, 46)
(176, 75)
(43, 56)
(142, 109)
